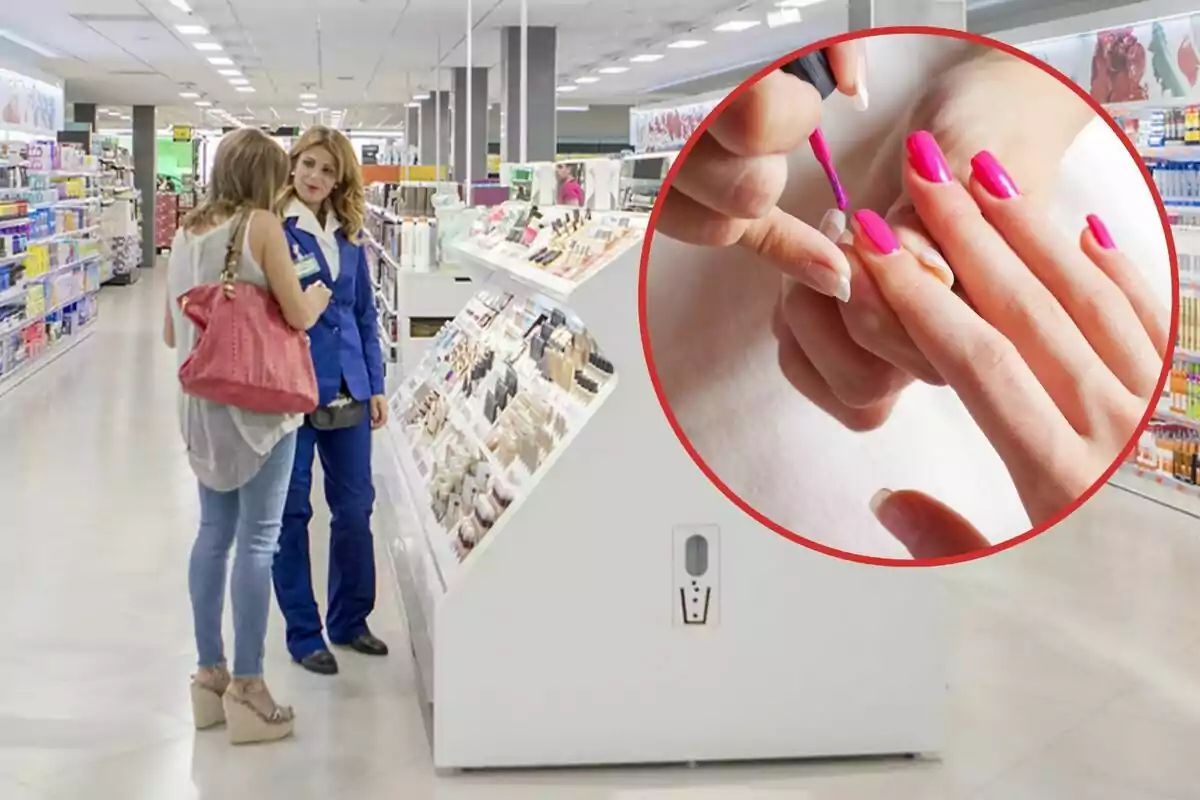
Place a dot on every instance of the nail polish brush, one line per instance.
(814, 69)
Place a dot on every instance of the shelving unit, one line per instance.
(585, 570)
(121, 215)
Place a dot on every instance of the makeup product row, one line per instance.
(1188, 336)
(1171, 451)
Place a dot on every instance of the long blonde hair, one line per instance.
(249, 172)
(348, 199)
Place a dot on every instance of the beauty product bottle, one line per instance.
(421, 242)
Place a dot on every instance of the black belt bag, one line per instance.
(342, 412)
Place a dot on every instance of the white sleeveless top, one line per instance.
(226, 446)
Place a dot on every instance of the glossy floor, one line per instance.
(1076, 674)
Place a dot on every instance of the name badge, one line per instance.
(306, 267)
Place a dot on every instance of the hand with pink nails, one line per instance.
(1057, 355)
(854, 359)
(727, 187)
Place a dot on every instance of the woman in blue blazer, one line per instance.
(323, 218)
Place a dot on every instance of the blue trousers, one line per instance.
(249, 517)
(346, 459)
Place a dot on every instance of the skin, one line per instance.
(315, 177)
(1056, 358)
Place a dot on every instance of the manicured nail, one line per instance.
(833, 224)
(927, 158)
(932, 260)
(1100, 231)
(824, 279)
(878, 233)
(878, 499)
(861, 99)
(993, 177)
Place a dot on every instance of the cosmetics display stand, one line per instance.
(565, 607)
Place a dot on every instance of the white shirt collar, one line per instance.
(307, 220)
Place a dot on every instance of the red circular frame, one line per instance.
(674, 422)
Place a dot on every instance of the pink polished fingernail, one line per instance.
(927, 159)
(1100, 231)
(993, 177)
(878, 232)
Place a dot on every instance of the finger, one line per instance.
(682, 218)
(801, 252)
(1099, 246)
(772, 117)
(873, 325)
(739, 186)
(1007, 295)
(848, 61)
(1100, 310)
(915, 239)
(804, 377)
(857, 378)
(996, 386)
(926, 527)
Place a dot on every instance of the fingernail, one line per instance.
(878, 233)
(1100, 231)
(927, 158)
(833, 224)
(932, 260)
(993, 177)
(878, 499)
(861, 99)
(825, 280)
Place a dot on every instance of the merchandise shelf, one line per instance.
(572, 600)
(1158, 487)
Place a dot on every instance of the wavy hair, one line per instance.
(250, 170)
(348, 198)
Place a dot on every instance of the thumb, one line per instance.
(926, 527)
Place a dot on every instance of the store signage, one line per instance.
(370, 154)
(662, 130)
(182, 133)
(1156, 61)
(30, 105)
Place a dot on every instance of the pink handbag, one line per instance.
(246, 355)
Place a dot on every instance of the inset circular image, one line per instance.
(916, 324)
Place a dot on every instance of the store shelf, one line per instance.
(374, 244)
(12, 327)
(58, 237)
(1176, 418)
(1171, 151)
(12, 380)
(383, 213)
(1159, 488)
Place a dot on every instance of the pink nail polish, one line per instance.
(993, 177)
(1100, 231)
(878, 233)
(927, 159)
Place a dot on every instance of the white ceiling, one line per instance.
(370, 56)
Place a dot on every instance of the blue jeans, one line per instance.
(250, 516)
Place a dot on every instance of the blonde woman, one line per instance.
(323, 219)
(243, 460)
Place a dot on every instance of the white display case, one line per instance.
(620, 609)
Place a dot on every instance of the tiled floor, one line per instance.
(1077, 656)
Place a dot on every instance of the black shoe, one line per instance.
(369, 645)
(321, 662)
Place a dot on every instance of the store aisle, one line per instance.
(1076, 669)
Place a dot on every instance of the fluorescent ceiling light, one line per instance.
(125, 117)
(736, 26)
(189, 95)
(797, 3)
(646, 58)
(612, 70)
(572, 108)
(207, 46)
(308, 96)
(203, 103)
(412, 105)
(181, 5)
(233, 73)
(567, 88)
(784, 16)
(687, 44)
(588, 79)
(238, 81)
(192, 30)
(245, 88)
(421, 96)
(221, 61)
(28, 45)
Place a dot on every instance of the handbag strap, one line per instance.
(233, 251)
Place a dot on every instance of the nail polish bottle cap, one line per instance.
(813, 68)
